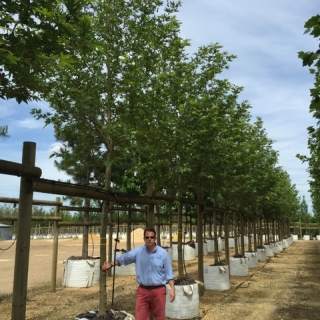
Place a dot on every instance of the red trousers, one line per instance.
(151, 300)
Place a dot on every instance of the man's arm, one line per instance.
(106, 266)
(124, 259)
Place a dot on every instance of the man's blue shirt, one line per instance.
(152, 269)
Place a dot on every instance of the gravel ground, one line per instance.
(284, 287)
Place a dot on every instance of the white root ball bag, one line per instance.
(186, 303)
(216, 278)
(239, 267)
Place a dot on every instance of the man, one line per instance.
(153, 270)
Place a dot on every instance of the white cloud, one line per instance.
(5, 111)
(55, 147)
(43, 161)
(29, 123)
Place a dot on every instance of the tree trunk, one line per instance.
(150, 208)
(200, 244)
(103, 240)
(215, 239)
(242, 234)
(180, 251)
(235, 224)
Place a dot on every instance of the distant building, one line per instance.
(5, 232)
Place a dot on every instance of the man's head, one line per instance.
(149, 236)
(150, 230)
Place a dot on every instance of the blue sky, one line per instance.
(264, 35)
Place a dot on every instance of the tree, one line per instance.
(8, 210)
(35, 35)
(108, 91)
(280, 203)
(303, 212)
(188, 119)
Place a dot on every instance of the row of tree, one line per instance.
(8, 210)
(311, 59)
(128, 103)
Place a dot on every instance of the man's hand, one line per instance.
(172, 294)
(106, 266)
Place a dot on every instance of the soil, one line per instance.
(284, 287)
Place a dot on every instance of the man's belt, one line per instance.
(151, 287)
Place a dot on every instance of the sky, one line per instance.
(266, 37)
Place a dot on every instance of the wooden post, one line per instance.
(103, 257)
(21, 266)
(158, 230)
(55, 249)
(150, 208)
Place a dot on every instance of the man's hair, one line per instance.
(149, 230)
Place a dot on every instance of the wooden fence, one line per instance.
(301, 228)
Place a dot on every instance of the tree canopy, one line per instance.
(141, 107)
(35, 36)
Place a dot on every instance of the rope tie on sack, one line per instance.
(222, 269)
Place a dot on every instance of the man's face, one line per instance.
(149, 238)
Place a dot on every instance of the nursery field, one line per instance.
(284, 287)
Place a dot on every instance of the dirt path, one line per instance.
(285, 287)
